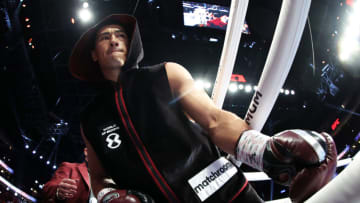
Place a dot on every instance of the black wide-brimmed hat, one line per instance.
(81, 64)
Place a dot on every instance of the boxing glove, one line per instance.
(311, 179)
(123, 196)
(285, 154)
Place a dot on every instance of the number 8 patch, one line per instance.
(113, 141)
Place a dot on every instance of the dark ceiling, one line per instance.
(40, 101)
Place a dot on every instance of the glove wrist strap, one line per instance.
(103, 192)
(250, 148)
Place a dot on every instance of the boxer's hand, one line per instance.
(66, 189)
(126, 196)
(290, 151)
(311, 179)
(285, 154)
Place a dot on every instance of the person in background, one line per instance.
(70, 183)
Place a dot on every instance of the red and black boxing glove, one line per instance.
(311, 179)
(287, 155)
(111, 195)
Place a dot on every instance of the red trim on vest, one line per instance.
(144, 148)
(238, 193)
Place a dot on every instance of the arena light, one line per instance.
(6, 167)
(248, 88)
(212, 39)
(199, 84)
(85, 5)
(349, 43)
(207, 85)
(233, 88)
(85, 15)
(15, 189)
(202, 84)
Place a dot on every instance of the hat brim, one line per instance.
(81, 64)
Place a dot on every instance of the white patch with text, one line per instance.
(212, 178)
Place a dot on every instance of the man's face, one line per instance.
(111, 47)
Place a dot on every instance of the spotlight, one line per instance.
(292, 92)
(248, 88)
(47, 162)
(198, 83)
(85, 15)
(241, 86)
(54, 167)
(34, 151)
(207, 85)
(281, 90)
(53, 139)
(212, 39)
(233, 87)
(27, 146)
(287, 92)
(41, 157)
(85, 5)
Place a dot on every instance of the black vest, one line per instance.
(146, 143)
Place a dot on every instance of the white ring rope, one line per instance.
(237, 15)
(282, 52)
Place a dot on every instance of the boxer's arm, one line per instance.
(99, 178)
(224, 127)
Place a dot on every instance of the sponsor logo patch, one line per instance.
(212, 178)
